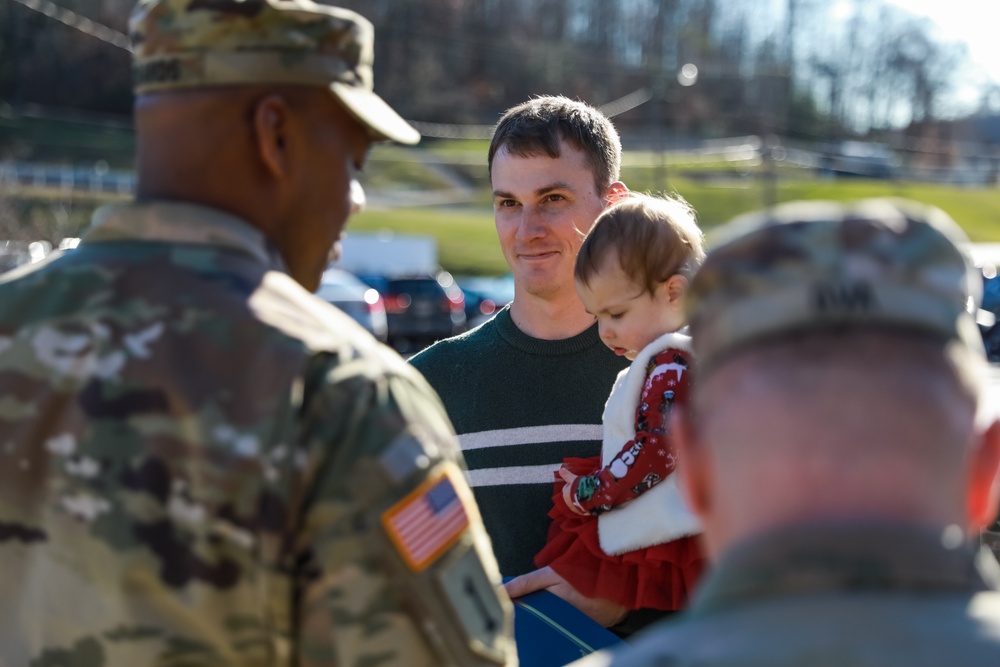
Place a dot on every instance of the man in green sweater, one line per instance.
(527, 389)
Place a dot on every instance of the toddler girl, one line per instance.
(620, 528)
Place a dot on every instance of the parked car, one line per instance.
(356, 298)
(484, 296)
(420, 309)
(859, 159)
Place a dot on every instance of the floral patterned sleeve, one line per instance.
(650, 456)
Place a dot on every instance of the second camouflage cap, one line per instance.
(198, 43)
(805, 266)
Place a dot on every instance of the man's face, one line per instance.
(330, 192)
(543, 207)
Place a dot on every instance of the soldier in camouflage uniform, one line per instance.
(201, 463)
(833, 449)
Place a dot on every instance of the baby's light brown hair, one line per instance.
(653, 238)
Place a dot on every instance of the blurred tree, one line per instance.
(465, 61)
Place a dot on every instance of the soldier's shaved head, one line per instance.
(251, 150)
(830, 424)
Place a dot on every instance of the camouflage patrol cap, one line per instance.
(805, 266)
(181, 44)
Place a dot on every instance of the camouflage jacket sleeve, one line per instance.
(392, 565)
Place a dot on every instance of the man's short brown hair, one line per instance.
(536, 127)
(653, 238)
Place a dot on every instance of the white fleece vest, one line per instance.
(660, 514)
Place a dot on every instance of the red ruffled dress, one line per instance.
(656, 577)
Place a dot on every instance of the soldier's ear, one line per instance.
(272, 121)
(983, 490)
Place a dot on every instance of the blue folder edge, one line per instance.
(551, 632)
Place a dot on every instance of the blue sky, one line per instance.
(975, 22)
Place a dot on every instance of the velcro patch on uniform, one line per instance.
(427, 522)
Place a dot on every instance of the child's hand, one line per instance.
(567, 492)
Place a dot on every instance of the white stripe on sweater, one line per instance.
(542, 474)
(525, 435)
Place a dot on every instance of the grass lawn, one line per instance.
(467, 240)
(468, 243)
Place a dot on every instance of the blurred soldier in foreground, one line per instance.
(202, 463)
(833, 449)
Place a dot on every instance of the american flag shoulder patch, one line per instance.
(427, 522)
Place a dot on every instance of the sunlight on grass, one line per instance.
(468, 242)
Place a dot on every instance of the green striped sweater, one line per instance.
(520, 405)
